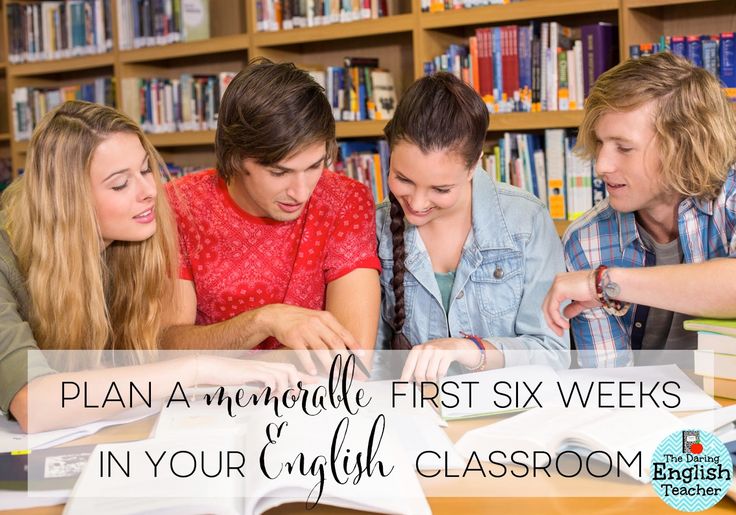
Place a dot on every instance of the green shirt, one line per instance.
(20, 358)
(445, 282)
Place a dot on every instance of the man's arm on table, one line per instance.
(295, 327)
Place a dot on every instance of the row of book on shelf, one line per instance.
(50, 30)
(187, 103)
(190, 102)
(437, 6)
(536, 67)
(275, 15)
(715, 357)
(42, 31)
(143, 23)
(715, 53)
(31, 104)
(358, 90)
(545, 166)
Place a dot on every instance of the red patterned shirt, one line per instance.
(240, 262)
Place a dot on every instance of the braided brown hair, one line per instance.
(437, 113)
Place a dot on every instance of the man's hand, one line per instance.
(577, 287)
(307, 329)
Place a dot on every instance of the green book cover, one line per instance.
(712, 325)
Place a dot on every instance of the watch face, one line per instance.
(612, 290)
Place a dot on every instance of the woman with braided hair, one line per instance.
(466, 262)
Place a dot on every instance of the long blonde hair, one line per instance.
(83, 295)
(693, 120)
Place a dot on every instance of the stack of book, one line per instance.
(536, 67)
(715, 358)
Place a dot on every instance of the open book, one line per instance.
(239, 483)
(555, 430)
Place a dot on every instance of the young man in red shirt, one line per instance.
(274, 249)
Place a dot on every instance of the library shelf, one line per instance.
(182, 138)
(561, 226)
(83, 62)
(214, 45)
(527, 10)
(534, 121)
(640, 4)
(395, 24)
(364, 129)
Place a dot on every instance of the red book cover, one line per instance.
(485, 63)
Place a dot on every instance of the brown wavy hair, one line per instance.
(268, 112)
(437, 113)
(693, 121)
(84, 295)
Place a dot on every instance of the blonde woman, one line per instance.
(87, 261)
(663, 136)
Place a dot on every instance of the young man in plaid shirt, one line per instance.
(656, 251)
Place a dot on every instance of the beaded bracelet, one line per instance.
(478, 343)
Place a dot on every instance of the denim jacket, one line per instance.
(507, 265)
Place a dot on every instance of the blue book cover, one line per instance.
(727, 59)
(710, 55)
(679, 46)
(497, 60)
(695, 51)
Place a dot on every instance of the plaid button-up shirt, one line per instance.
(603, 236)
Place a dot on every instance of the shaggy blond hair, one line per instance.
(694, 123)
(83, 295)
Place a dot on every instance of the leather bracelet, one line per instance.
(478, 343)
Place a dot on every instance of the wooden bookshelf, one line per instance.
(402, 42)
(178, 50)
(336, 31)
(80, 63)
(527, 10)
(561, 226)
(515, 122)
(183, 139)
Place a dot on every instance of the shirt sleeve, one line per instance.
(185, 266)
(21, 360)
(352, 244)
(600, 339)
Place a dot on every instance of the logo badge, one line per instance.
(691, 470)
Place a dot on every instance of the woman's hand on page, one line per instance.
(431, 360)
